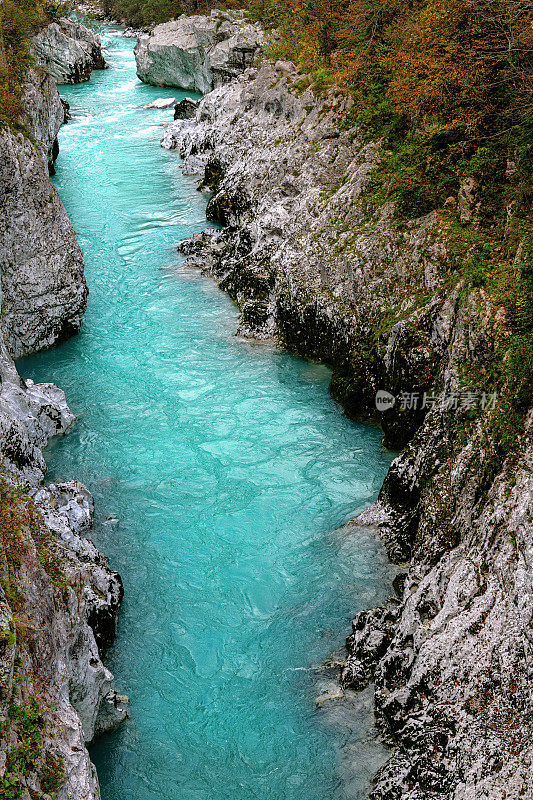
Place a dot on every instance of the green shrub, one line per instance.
(52, 775)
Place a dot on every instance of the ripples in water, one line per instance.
(228, 466)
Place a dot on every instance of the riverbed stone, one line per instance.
(161, 102)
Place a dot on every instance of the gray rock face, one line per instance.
(451, 669)
(68, 51)
(312, 261)
(198, 53)
(70, 597)
(44, 294)
(43, 112)
(59, 599)
(30, 414)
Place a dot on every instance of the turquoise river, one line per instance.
(229, 470)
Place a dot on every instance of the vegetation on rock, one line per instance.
(19, 21)
(22, 730)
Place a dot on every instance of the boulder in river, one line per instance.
(199, 52)
(68, 51)
(161, 102)
(185, 109)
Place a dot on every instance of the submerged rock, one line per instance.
(198, 53)
(68, 51)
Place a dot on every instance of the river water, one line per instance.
(228, 468)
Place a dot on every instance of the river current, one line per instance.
(222, 471)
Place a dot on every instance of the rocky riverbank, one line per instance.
(59, 599)
(313, 256)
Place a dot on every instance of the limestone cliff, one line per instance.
(59, 599)
(313, 257)
(197, 53)
(44, 294)
(68, 51)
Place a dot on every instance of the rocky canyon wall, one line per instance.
(44, 294)
(315, 258)
(59, 599)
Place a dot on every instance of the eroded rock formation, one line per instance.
(68, 51)
(197, 53)
(43, 112)
(44, 294)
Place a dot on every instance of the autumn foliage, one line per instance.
(465, 62)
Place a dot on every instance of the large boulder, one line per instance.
(68, 51)
(198, 53)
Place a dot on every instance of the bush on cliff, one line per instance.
(19, 21)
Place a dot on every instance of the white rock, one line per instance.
(68, 51)
(161, 102)
(198, 52)
(44, 293)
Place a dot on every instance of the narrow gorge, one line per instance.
(248, 514)
(314, 255)
(220, 474)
